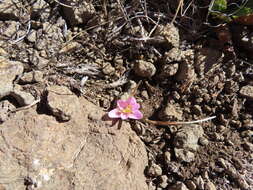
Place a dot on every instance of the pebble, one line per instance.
(171, 111)
(154, 170)
(144, 69)
(196, 109)
(199, 182)
(184, 155)
(247, 133)
(203, 141)
(209, 186)
(33, 76)
(247, 91)
(167, 156)
(108, 69)
(178, 186)
(169, 70)
(163, 181)
(248, 146)
(191, 185)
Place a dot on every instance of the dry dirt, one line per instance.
(63, 65)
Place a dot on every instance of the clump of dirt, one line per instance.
(179, 68)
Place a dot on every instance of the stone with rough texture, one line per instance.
(144, 69)
(178, 186)
(22, 97)
(78, 15)
(187, 137)
(171, 35)
(247, 91)
(210, 186)
(31, 77)
(83, 153)
(184, 155)
(154, 170)
(9, 9)
(171, 112)
(9, 70)
(61, 102)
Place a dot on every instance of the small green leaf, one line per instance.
(219, 5)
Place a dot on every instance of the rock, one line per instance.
(3, 52)
(9, 70)
(209, 186)
(154, 170)
(248, 146)
(203, 141)
(8, 10)
(5, 108)
(163, 181)
(31, 77)
(178, 186)
(174, 55)
(232, 172)
(247, 133)
(199, 182)
(32, 36)
(247, 91)
(40, 9)
(171, 35)
(62, 102)
(167, 157)
(196, 109)
(171, 112)
(70, 47)
(144, 69)
(191, 185)
(186, 70)
(89, 154)
(188, 136)
(184, 155)
(78, 13)
(23, 98)
(108, 69)
(168, 70)
(37, 60)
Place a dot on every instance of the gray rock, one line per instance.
(187, 137)
(203, 141)
(5, 108)
(184, 155)
(199, 182)
(191, 185)
(8, 10)
(154, 170)
(32, 36)
(80, 14)
(167, 157)
(163, 181)
(186, 70)
(62, 102)
(144, 69)
(171, 112)
(31, 77)
(209, 186)
(22, 97)
(171, 35)
(9, 70)
(178, 186)
(108, 69)
(247, 91)
(196, 109)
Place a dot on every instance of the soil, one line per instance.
(64, 64)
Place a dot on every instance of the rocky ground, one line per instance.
(63, 65)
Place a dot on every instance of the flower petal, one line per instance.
(131, 101)
(122, 104)
(136, 115)
(124, 116)
(115, 113)
(136, 106)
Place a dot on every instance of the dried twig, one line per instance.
(26, 107)
(166, 123)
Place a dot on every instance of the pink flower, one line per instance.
(126, 109)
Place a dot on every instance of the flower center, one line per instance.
(128, 109)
